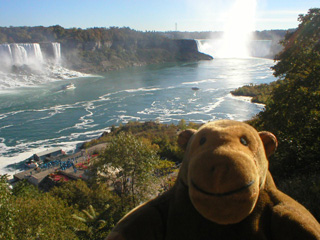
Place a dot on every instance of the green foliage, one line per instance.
(304, 188)
(24, 188)
(43, 217)
(95, 226)
(182, 124)
(128, 165)
(167, 173)
(79, 195)
(260, 93)
(7, 210)
(26, 213)
(168, 149)
(29, 214)
(74, 192)
(89, 210)
(293, 111)
(163, 135)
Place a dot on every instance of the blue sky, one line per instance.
(190, 15)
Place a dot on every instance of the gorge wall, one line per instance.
(101, 49)
(96, 56)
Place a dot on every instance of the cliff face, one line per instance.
(110, 55)
(188, 50)
(101, 49)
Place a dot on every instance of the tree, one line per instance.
(43, 217)
(79, 195)
(95, 226)
(7, 210)
(128, 165)
(293, 112)
(182, 124)
(30, 214)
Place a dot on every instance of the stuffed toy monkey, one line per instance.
(224, 190)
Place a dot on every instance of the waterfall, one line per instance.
(262, 48)
(206, 46)
(31, 64)
(6, 55)
(238, 28)
(254, 48)
(31, 54)
(21, 53)
(236, 40)
(56, 51)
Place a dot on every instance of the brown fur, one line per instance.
(224, 191)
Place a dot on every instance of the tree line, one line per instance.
(103, 49)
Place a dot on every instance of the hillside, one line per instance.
(101, 49)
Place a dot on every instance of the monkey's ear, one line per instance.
(270, 142)
(184, 138)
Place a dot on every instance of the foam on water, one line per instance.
(142, 90)
(32, 120)
(49, 73)
(199, 82)
(10, 161)
(246, 99)
(27, 149)
(25, 65)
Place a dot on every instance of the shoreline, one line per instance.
(246, 99)
(73, 147)
(20, 148)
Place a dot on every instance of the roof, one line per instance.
(52, 150)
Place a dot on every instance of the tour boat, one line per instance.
(68, 86)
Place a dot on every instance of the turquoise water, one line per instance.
(36, 118)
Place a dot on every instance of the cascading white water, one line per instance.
(255, 48)
(238, 28)
(6, 55)
(30, 64)
(30, 54)
(33, 52)
(21, 53)
(56, 51)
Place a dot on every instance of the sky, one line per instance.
(151, 15)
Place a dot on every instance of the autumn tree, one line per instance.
(128, 165)
(293, 112)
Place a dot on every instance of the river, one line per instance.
(41, 116)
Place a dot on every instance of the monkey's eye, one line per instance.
(202, 140)
(244, 141)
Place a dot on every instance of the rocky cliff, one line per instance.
(101, 49)
(110, 55)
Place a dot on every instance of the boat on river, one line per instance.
(68, 86)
